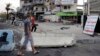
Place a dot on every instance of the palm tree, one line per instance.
(7, 9)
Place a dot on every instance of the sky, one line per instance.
(16, 3)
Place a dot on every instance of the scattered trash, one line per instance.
(62, 28)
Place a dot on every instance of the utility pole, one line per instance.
(83, 7)
(88, 4)
(82, 17)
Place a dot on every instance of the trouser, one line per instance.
(28, 38)
(12, 22)
(34, 28)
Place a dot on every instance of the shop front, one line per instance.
(68, 16)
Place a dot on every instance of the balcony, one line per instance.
(67, 2)
(38, 2)
(27, 4)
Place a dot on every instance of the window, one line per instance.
(53, 3)
(68, 7)
(47, 0)
(65, 7)
(58, 5)
(75, 1)
(36, 9)
(40, 0)
(30, 0)
(31, 8)
(42, 9)
(25, 1)
(46, 9)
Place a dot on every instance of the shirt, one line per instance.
(27, 26)
(32, 20)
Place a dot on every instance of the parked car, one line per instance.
(41, 19)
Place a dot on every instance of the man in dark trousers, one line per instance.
(13, 19)
(34, 26)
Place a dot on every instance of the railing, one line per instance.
(26, 4)
(38, 2)
(67, 3)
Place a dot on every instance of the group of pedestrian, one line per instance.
(29, 26)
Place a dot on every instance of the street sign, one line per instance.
(90, 24)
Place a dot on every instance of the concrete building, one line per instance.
(66, 9)
(93, 8)
(37, 7)
(49, 5)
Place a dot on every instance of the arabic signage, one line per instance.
(90, 24)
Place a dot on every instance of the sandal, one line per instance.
(36, 52)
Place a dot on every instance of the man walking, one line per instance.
(28, 37)
(13, 19)
(34, 26)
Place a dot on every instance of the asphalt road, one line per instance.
(4, 26)
(78, 50)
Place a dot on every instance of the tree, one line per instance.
(7, 9)
(3, 15)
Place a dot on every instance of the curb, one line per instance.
(89, 41)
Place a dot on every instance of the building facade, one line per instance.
(49, 6)
(36, 7)
(62, 8)
(93, 8)
(66, 9)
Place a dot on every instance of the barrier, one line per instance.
(51, 40)
(8, 44)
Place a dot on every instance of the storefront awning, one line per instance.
(66, 14)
